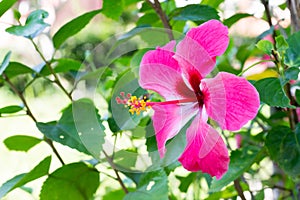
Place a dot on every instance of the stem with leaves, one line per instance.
(30, 114)
(292, 115)
(163, 17)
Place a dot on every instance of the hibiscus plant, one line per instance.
(150, 100)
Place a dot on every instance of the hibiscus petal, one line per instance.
(205, 150)
(191, 57)
(169, 119)
(212, 36)
(230, 100)
(160, 72)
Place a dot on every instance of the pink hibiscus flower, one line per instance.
(179, 78)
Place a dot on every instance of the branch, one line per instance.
(48, 64)
(163, 17)
(50, 142)
(239, 189)
(29, 113)
(20, 95)
(114, 167)
(294, 7)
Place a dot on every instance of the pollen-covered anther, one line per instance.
(135, 105)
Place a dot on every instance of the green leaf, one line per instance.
(21, 142)
(283, 6)
(196, 12)
(281, 44)
(79, 127)
(148, 19)
(214, 4)
(34, 25)
(292, 57)
(17, 14)
(72, 27)
(152, 185)
(233, 19)
(14, 69)
(114, 195)
(113, 8)
(284, 148)
(266, 46)
(6, 5)
(72, 181)
(40, 170)
(240, 162)
(10, 109)
(228, 193)
(185, 182)
(291, 73)
(5, 63)
(271, 92)
(62, 65)
(297, 95)
(61, 134)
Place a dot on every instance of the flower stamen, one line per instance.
(136, 105)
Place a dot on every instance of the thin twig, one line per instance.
(239, 189)
(114, 167)
(20, 95)
(48, 64)
(50, 142)
(163, 17)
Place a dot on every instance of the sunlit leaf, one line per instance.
(152, 185)
(34, 25)
(281, 44)
(235, 18)
(271, 92)
(10, 109)
(113, 8)
(148, 19)
(72, 27)
(72, 181)
(265, 74)
(266, 46)
(5, 63)
(15, 68)
(214, 4)
(40, 170)
(21, 142)
(6, 5)
(240, 162)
